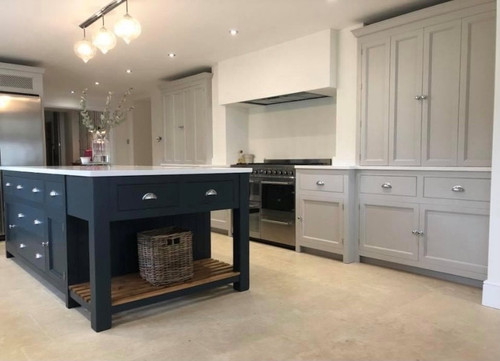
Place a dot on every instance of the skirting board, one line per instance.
(491, 294)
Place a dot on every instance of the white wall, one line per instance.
(491, 287)
(121, 139)
(303, 129)
(346, 131)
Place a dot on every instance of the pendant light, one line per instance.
(84, 49)
(127, 27)
(104, 40)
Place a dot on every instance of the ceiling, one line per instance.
(42, 33)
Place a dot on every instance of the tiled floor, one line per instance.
(299, 307)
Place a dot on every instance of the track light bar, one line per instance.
(101, 13)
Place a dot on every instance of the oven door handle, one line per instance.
(276, 222)
(278, 183)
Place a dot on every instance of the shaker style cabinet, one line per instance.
(324, 201)
(426, 89)
(187, 120)
(441, 225)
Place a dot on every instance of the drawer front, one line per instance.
(390, 185)
(213, 194)
(322, 182)
(147, 196)
(55, 195)
(28, 218)
(469, 189)
(29, 189)
(30, 247)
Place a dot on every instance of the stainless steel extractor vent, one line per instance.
(287, 98)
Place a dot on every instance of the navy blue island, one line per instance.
(76, 227)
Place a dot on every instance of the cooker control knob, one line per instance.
(285, 172)
(275, 172)
(280, 172)
(291, 172)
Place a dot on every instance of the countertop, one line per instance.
(119, 170)
(387, 168)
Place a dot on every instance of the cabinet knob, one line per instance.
(458, 188)
(53, 193)
(35, 190)
(8, 184)
(417, 97)
(19, 186)
(386, 185)
(149, 196)
(211, 193)
(11, 226)
(181, 127)
(158, 139)
(22, 245)
(38, 255)
(299, 218)
(20, 215)
(420, 233)
(415, 232)
(320, 183)
(423, 97)
(37, 222)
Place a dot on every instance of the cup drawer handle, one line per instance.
(149, 196)
(458, 188)
(19, 186)
(387, 185)
(38, 255)
(211, 193)
(8, 184)
(320, 183)
(37, 222)
(20, 215)
(36, 190)
(53, 193)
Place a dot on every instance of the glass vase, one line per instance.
(100, 148)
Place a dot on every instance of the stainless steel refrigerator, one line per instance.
(21, 134)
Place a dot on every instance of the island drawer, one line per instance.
(215, 194)
(25, 188)
(55, 195)
(469, 189)
(322, 182)
(388, 185)
(147, 196)
(27, 218)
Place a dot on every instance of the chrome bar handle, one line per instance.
(320, 183)
(53, 193)
(211, 193)
(149, 196)
(36, 190)
(386, 185)
(458, 188)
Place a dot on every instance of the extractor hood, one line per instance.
(287, 98)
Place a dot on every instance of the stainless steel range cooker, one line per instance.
(272, 199)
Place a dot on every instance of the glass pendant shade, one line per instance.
(84, 50)
(128, 28)
(104, 40)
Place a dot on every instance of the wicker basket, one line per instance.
(165, 255)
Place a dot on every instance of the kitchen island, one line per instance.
(76, 227)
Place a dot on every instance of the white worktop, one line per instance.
(389, 168)
(121, 170)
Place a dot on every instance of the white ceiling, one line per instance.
(42, 33)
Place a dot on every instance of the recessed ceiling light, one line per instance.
(233, 32)
(128, 71)
(172, 55)
(72, 92)
(96, 83)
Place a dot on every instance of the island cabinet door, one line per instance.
(55, 249)
(388, 230)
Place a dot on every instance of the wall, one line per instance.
(304, 129)
(141, 128)
(491, 287)
(121, 139)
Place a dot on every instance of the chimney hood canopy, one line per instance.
(285, 72)
(286, 98)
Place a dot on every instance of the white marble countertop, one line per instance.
(387, 168)
(119, 170)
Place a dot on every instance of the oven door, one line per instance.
(254, 219)
(277, 217)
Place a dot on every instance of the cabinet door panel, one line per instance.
(405, 110)
(179, 127)
(56, 249)
(321, 225)
(441, 86)
(477, 83)
(189, 126)
(386, 229)
(168, 128)
(375, 61)
(202, 127)
(455, 238)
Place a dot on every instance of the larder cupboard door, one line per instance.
(441, 91)
(387, 229)
(405, 118)
(375, 62)
(455, 238)
(203, 126)
(477, 84)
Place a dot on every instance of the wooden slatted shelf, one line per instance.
(131, 287)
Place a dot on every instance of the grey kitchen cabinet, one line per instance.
(325, 212)
(187, 120)
(426, 88)
(442, 226)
